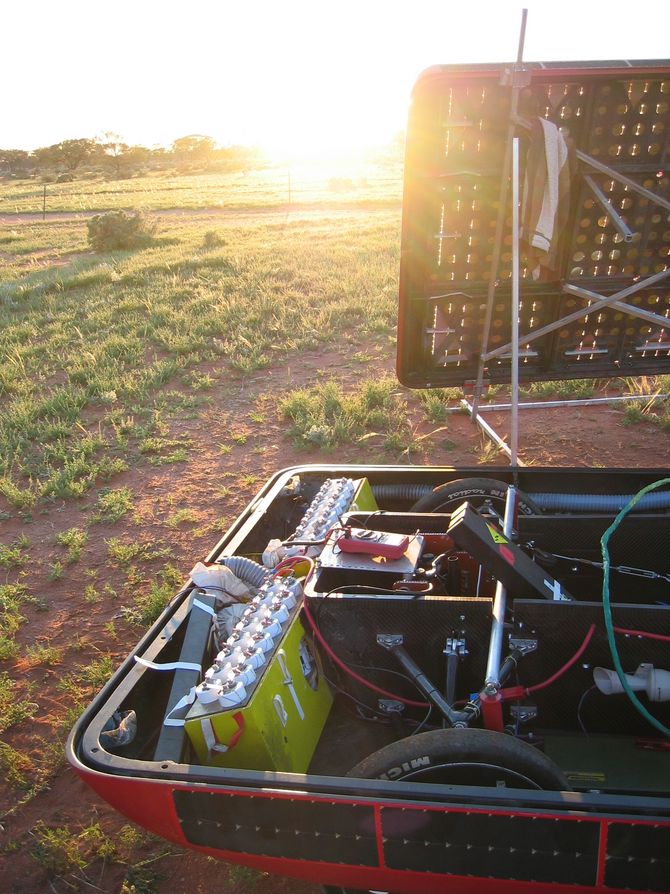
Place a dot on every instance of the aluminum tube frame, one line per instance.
(610, 172)
(576, 315)
(517, 82)
(494, 660)
(488, 430)
(555, 404)
(514, 411)
(610, 210)
(629, 309)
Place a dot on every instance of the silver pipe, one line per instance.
(494, 660)
(611, 172)
(488, 431)
(621, 178)
(555, 404)
(514, 414)
(578, 314)
(609, 209)
(517, 68)
(630, 309)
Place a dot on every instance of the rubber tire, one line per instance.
(448, 497)
(462, 746)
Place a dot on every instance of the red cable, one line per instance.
(559, 673)
(348, 670)
(644, 633)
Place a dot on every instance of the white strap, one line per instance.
(183, 702)
(169, 666)
(209, 736)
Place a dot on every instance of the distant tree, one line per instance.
(47, 157)
(14, 161)
(195, 149)
(73, 153)
(114, 150)
(238, 158)
(160, 157)
(68, 154)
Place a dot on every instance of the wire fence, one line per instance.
(266, 187)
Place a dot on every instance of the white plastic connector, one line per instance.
(656, 683)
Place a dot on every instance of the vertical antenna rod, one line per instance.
(502, 208)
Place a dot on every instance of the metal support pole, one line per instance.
(609, 209)
(514, 412)
(393, 643)
(637, 286)
(591, 162)
(502, 207)
(494, 662)
(490, 433)
(556, 404)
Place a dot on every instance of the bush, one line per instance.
(118, 230)
(212, 240)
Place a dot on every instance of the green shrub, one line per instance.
(116, 230)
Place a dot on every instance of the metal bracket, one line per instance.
(456, 645)
(390, 706)
(518, 644)
(515, 76)
(389, 640)
(523, 713)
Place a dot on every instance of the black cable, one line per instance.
(423, 722)
(585, 694)
(382, 717)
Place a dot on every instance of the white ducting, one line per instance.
(656, 683)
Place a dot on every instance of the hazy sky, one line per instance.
(282, 74)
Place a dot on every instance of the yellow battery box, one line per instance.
(279, 725)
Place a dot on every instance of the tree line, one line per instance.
(110, 154)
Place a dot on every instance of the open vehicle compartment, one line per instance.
(602, 821)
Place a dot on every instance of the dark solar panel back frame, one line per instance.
(619, 114)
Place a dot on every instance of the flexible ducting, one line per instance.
(246, 569)
(548, 502)
(600, 502)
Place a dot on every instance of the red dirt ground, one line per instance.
(586, 436)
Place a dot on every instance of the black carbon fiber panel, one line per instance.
(351, 626)
(491, 845)
(560, 629)
(279, 827)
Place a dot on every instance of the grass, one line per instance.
(149, 603)
(124, 552)
(263, 188)
(325, 416)
(14, 707)
(108, 338)
(180, 517)
(74, 540)
(15, 555)
(12, 596)
(43, 654)
(560, 390)
(113, 504)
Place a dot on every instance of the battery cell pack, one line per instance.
(280, 724)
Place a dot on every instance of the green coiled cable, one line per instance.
(607, 608)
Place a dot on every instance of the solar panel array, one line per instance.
(458, 128)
